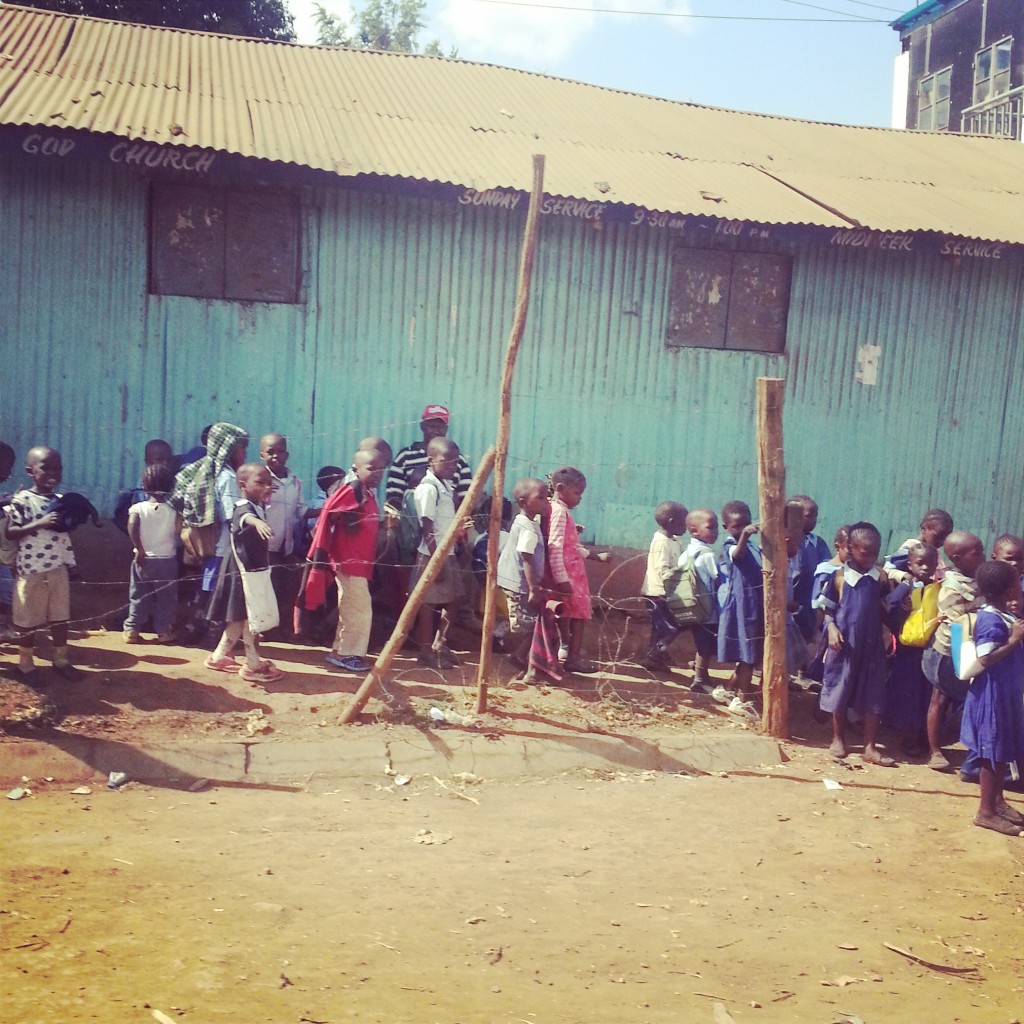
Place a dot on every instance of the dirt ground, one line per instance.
(593, 895)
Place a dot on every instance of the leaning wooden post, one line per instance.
(504, 426)
(771, 482)
(412, 606)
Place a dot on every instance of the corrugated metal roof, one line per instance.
(352, 112)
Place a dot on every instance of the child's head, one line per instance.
(369, 466)
(702, 523)
(255, 482)
(227, 445)
(922, 560)
(936, 526)
(434, 422)
(735, 518)
(864, 544)
(327, 478)
(482, 515)
(1009, 548)
(377, 444)
(568, 485)
(999, 584)
(808, 511)
(45, 467)
(671, 517)
(530, 496)
(274, 452)
(158, 451)
(158, 480)
(841, 543)
(965, 551)
(6, 460)
(443, 458)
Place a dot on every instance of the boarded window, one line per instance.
(728, 300)
(214, 243)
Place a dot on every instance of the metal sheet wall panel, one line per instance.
(410, 301)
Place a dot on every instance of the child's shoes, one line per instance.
(225, 664)
(265, 672)
(166, 638)
(581, 667)
(131, 636)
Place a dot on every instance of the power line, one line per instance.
(857, 20)
(828, 10)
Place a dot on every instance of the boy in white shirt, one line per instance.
(521, 565)
(662, 560)
(154, 528)
(435, 505)
(702, 524)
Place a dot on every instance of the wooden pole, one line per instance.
(771, 482)
(504, 425)
(412, 606)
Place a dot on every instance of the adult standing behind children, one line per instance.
(411, 461)
(42, 593)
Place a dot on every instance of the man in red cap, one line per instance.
(410, 463)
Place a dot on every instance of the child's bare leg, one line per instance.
(252, 651)
(936, 716)
(441, 637)
(231, 635)
(425, 627)
(994, 812)
(871, 753)
(838, 747)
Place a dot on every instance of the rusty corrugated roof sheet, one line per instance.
(353, 112)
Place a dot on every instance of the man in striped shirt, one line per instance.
(403, 471)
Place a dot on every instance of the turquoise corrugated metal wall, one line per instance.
(409, 302)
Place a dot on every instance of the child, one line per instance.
(156, 452)
(741, 598)
(351, 520)
(909, 690)
(435, 507)
(328, 479)
(285, 513)
(42, 593)
(812, 552)
(154, 528)
(662, 561)
(993, 720)
(702, 525)
(521, 565)
(251, 535)
(6, 577)
(823, 572)
(956, 595)
(566, 572)
(936, 526)
(855, 666)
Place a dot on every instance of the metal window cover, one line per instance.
(436, 119)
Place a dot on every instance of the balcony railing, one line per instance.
(1000, 116)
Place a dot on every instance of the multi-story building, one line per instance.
(962, 67)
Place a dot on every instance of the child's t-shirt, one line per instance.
(662, 559)
(435, 500)
(706, 563)
(158, 528)
(525, 543)
(45, 549)
(956, 594)
(226, 490)
(284, 512)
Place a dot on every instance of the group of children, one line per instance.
(245, 528)
(874, 638)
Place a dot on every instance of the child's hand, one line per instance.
(140, 558)
(749, 530)
(51, 521)
(835, 638)
(534, 598)
(262, 529)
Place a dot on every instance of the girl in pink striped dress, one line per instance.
(568, 575)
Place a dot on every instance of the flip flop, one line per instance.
(881, 760)
(228, 665)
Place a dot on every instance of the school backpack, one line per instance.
(923, 620)
(687, 595)
(963, 648)
(409, 531)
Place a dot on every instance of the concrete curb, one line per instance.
(269, 761)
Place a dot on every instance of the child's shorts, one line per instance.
(41, 598)
(447, 585)
(521, 618)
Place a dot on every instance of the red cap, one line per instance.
(435, 412)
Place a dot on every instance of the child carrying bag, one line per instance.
(963, 648)
(923, 619)
(260, 600)
(687, 595)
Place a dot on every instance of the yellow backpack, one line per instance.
(923, 619)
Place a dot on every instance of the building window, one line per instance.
(933, 101)
(222, 243)
(738, 301)
(992, 71)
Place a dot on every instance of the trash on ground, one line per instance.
(116, 779)
(198, 785)
(18, 792)
(428, 838)
(81, 791)
(831, 783)
(256, 721)
(403, 780)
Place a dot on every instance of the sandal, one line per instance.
(265, 672)
(225, 664)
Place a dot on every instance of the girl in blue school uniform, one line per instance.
(855, 670)
(741, 598)
(993, 719)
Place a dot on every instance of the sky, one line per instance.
(713, 52)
